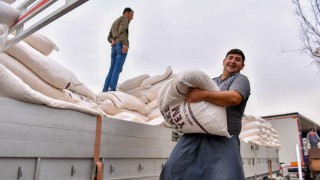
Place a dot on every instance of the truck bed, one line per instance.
(39, 142)
(49, 143)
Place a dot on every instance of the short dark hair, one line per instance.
(236, 51)
(127, 9)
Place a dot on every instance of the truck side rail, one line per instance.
(31, 8)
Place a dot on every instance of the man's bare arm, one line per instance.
(222, 98)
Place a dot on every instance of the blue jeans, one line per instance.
(117, 62)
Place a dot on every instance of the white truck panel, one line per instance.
(38, 142)
(289, 136)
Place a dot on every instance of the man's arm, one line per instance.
(222, 98)
(123, 27)
(110, 37)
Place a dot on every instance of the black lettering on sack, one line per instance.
(186, 115)
(167, 115)
(173, 116)
(176, 115)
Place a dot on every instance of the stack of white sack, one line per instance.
(200, 117)
(28, 60)
(136, 99)
(8, 16)
(14, 88)
(256, 130)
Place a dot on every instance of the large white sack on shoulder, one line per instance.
(123, 100)
(129, 117)
(8, 14)
(14, 88)
(132, 83)
(9, 1)
(41, 43)
(28, 77)
(47, 69)
(176, 89)
(158, 78)
(200, 117)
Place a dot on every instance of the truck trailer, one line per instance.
(293, 129)
(41, 142)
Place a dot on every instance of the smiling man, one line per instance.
(211, 157)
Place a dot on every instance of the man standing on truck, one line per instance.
(118, 37)
(211, 157)
(313, 139)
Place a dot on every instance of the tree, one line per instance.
(309, 12)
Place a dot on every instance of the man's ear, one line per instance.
(243, 66)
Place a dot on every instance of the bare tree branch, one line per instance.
(309, 13)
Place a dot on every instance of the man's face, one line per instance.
(129, 15)
(233, 63)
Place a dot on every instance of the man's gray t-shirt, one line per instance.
(241, 84)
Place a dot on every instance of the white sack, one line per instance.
(129, 117)
(153, 104)
(251, 125)
(48, 70)
(132, 83)
(137, 92)
(14, 88)
(154, 113)
(150, 94)
(110, 108)
(8, 14)
(158, 78)
(200, 117)
(3, 35)
(123, 100)
(28, 77)
(9, 1)
(41, 43)
(158, 121)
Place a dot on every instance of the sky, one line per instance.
(196, 34)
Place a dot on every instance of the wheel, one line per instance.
(317, 176)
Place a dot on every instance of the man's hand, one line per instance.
(194, 95)
(124, 49)
(113, 43)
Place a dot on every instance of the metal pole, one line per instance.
(299, 161)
